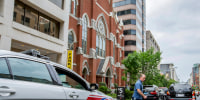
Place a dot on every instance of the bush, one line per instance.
(128, 94)
(115, 85)
(102, 84)
(113, 95)
(104, 89)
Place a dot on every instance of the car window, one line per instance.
(182, 86)
(4, 71)
(29, 71)
(69, 80)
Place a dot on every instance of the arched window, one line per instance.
(70, 40)
(73, 7)
(101, 39)
(114, 50)
(97, 44)
(84, 34)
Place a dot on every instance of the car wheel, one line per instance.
(164, 98)
(160, 98)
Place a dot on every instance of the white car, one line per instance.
(25, 77)
(196, 93)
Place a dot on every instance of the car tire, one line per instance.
(164, 98)
(160, 98)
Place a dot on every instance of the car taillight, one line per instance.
(168, 93)
(193, 93)
(153, 93)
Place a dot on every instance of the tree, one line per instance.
(150, 61)
(133, 66)
(142, 62)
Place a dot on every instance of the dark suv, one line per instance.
(180, 90)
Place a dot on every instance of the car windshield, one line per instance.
(182, 86)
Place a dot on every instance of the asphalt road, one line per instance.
(198, 98)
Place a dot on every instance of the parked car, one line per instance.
(165, 89)
(163, 96)
(196, 93)
(152, 92)
(181, 91)
(25, 77)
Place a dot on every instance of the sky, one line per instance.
(175, 25)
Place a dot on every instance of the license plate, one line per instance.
(145, 93)
(180, 95)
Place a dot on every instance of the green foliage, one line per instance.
(128, 94)
(113, 95)
(141, 62)
(115, 85)
(146, 63)
(158, 80)
(171, 81)
(104, 89)
(133, 66)
(102, 84)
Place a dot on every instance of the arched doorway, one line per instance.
(108, 77)
(85, 73)
(71, 39)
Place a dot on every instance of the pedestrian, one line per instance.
(138, 90)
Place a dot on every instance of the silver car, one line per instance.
(25, 77)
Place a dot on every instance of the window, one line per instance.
(31, 18)
(59, 3)
(70, 80)
(1, 7)
(19, 12)
(127, 52)
(114, 50)
(130, 42)
(101, 39)
(125, 2)
(44, 24)
(74, 7)
(130, 21)
(70, 40)
(27, 70)
(34, 19)
(84, 34)
(129, 32)
(54, 28)
(97, 44)
(4, 72)
(125, 12)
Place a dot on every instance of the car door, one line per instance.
(74, 87)
(27, 80)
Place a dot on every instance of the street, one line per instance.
(198, 98)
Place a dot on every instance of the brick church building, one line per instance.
(97, 40)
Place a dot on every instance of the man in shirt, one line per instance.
(138, 90)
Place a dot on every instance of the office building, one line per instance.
(169, 71)
(151, 42)
(133, 15)
(35, 24)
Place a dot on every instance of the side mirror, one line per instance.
(94, 86)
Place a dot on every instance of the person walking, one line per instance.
(138, 90)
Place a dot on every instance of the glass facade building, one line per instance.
(133, 14)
